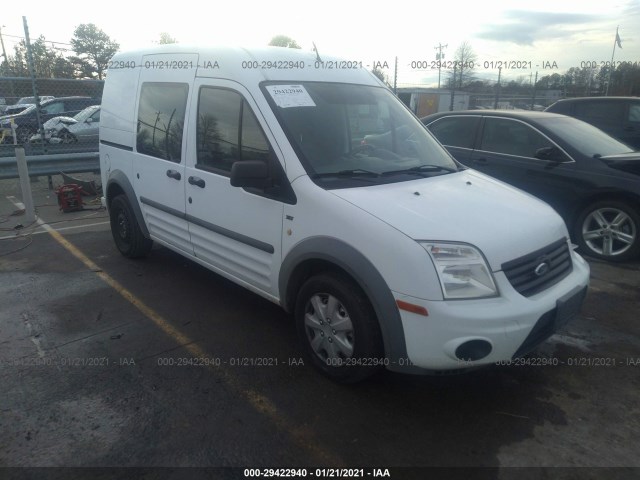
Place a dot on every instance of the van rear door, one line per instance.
(164, 92)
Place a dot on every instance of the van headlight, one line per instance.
(462, 270)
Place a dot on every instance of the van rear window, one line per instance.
(161, 120)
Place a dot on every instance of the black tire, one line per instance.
(125, 229)
(594, 228)
(67, 137)
(359, 329)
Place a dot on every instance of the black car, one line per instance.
(590, 178)
(618, 116)
(26, 122)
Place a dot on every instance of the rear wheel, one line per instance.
(338, 328)
(609, 230)
(125, 229)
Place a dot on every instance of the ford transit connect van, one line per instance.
(305, 180)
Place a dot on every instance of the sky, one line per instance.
(546, 36)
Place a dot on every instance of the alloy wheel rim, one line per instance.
(609, 231)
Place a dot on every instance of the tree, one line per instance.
(166, 39)
(465, 58)
(47, 62)
(283, 41)
(94, 49)
(380, 74)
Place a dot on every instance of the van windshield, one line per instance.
(355, 132)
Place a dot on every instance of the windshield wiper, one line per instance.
(356, 172)
(422, 170)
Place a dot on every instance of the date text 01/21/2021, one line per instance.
(161, 64)
(318, 472)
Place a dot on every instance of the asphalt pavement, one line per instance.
(111, 362)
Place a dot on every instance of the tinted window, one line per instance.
(584, 137)
(602, 112)
(634, 113)
(161, 120)
(55, 107)
(561, 107)
(227, 131)
(455, 131)
(511, 137)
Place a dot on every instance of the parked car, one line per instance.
(85, 130)
(83, 127)
(618, 116)
(26, 122)
(17, 108)
(32, 100)
(589, 177)
(396, 258)
(22, 104)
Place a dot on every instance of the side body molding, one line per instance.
(365, 274)
(119, 178)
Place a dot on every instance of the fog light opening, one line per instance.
(473, 350)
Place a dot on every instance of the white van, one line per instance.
(305, 180)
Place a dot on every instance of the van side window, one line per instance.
(634, 113)
(227, 131)
(161, 120)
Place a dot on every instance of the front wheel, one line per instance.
(126, 232)
(338, 328)
(66, 137)
(609, 230)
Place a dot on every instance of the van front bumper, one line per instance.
(462, 334)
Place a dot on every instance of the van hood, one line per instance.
(469, 207)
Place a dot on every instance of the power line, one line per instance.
(47, 41)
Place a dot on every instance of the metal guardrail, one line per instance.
(30, 149)
(52, 164)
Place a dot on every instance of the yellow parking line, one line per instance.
(258, 401)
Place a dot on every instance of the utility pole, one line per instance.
(4, 54)
(439, 58)
(453, 86)
(395, 78)
(618, 42)
(533, 95)
(495, 104)
(32, 72)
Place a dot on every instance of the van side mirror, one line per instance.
(89, 120)
(249, 173)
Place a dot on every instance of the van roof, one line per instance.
(255, 64)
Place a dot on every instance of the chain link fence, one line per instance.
(63, 118)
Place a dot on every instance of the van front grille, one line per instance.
(539, 270)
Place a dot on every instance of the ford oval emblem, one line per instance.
(542, 269)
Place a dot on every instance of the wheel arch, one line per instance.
(322, 254)
(118, 184)
(612, 196)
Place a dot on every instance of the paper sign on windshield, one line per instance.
(287, 96)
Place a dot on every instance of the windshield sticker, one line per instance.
(287, 96)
